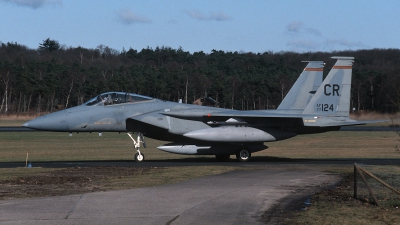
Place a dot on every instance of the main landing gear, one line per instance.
(243, 155)
(139, 157)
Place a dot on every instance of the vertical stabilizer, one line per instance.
(333, 96)
(304, 88)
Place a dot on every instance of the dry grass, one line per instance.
(14, 173)
(17, 120)
(167, 174)
(342, 144)
(177, 174)
(341, 214)
(391, 118)
(12, 123)
(17, 117)
(39, 182)
(337, 206)
(53, 146)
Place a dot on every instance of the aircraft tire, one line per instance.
(139, 158)
(222, 158)
(243, 155)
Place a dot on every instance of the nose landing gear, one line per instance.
(139, 157)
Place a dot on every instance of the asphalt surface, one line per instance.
(255, 161)
(239, 197)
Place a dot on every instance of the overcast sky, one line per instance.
(229, 25)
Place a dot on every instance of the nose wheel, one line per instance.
(139, 157)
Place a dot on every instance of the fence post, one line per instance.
(366, 184)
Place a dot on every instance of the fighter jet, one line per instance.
(311, 106)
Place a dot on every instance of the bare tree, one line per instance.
(6, 82)
(69, 93)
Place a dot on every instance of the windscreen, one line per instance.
(112, 98)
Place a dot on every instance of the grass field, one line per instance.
(343, 144)
(337, 206)
(53, 146)
(14, 120)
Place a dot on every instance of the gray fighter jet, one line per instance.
(311, 106)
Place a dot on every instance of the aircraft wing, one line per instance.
(144, 122)
(266, 118)
(200, 115)
(260, 117)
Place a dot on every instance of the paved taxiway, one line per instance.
(200, 161)
(238, 197)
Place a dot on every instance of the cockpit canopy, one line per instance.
(112, 98)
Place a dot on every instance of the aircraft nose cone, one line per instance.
(56, 121)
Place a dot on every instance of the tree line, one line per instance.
(53, 77)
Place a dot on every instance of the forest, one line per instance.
(54, 77)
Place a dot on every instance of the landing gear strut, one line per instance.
(139, 157)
